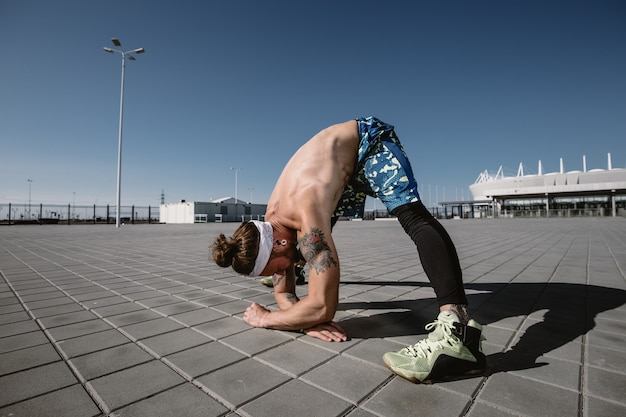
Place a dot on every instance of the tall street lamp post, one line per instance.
(125, 55)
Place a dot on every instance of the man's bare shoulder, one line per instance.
(309, 187)
(345, 130)
(347, 125)
(336, 139)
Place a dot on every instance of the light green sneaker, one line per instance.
(451, 350)
(267, 281)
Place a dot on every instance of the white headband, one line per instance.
(265, 246)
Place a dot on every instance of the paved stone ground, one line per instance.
(136, 321)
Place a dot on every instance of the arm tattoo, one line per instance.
(291, 298)
(277, 279)
(316, 251)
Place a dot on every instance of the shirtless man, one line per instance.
(329, 176)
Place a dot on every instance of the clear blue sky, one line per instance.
(469, 86)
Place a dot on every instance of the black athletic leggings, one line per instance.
(436, 251)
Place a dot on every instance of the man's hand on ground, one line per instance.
(255, 314)
(328, 332)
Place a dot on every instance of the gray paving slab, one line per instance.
(296, 398)
(27, 358)
(72, 401)
(93, 342)
(140, 315)
(78, 329)
(168, 343)
(41, 313)
(11, 308)
(522, 397)
(117, 309)
(14, 317)
(22, 341)
(192, 314)
(98, 321)
(30, 383)
(295, 357)
(398, 398)
(347, 378)
(241, 382)
(151, 328)
(130, 385)
(108, 361)
(187, 400)
(19, 327)
(203, 359)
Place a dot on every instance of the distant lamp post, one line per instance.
(129, 55)
(251, 189)
(236, 181)
(29, 185)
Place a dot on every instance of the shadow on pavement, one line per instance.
(571, 313)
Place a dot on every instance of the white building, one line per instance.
(222, 210)
(599, 192)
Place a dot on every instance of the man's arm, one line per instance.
(320, 305)
(285, 295)
(285, 289)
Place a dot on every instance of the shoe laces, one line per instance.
(426, 347)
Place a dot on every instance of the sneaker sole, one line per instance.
(429, 381)
(467, 375)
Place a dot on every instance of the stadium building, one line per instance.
(595, 192)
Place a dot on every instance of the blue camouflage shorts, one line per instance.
(382, 170)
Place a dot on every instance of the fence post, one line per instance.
(69, 216)
(149, 215)
(94, 214)
(107, 214)
(132, 215)
(40, 213)
(9, 214)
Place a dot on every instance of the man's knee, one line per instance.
(415, 209)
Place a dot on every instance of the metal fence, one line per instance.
(75, 214)
(11, 214)
(567, 212)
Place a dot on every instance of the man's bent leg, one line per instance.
(389, 175)
(437, 255)
(454, 346)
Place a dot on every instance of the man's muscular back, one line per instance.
(314, 178)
